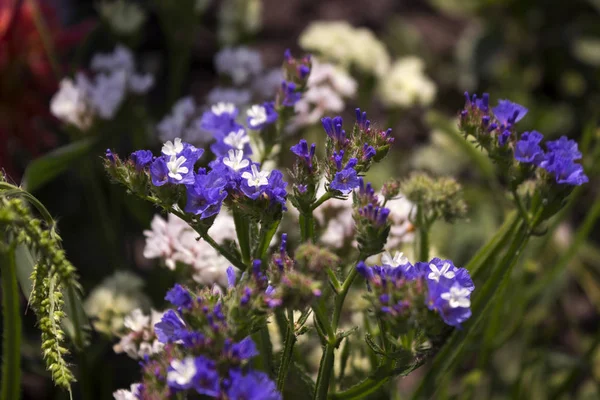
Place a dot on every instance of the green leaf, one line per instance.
(43, 169)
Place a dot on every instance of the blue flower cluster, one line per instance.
(199, 354)
(559, 157)
(398, 288)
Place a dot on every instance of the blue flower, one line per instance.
(141, 158)
(243, 350)
(361, 120)
(252, 386)
(333, 128)
(347, 179)
(444, 270)
(110, 156)
(289, 94)
(230, 277)
(375, 214)
(565, 170)
(302, 151)
(260, 116)
(179, 296)
(270, 184)
(564, 148)
(451, 300)
(206, 380)
(275, 190)
(503, 137)
(170, 328)
(205, 196)
(509, 113)
(159, 172)
(220, 119)
(528, 150)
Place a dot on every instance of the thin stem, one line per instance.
(423, 228)
(267, 231)
(232, 258)
(11, 322)
(520, 206)
(286, 358)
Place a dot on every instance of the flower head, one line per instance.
(509, 113)
(260, 116)
(256, 178)
(236, 160)
(528, 150)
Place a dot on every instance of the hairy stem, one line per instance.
(11, 322)
(286, 358)
(325, 372)
(242, 229)
(423, 253)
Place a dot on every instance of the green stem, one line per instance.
(322, 199)
(263, 341)
(325, 370)
(232, 258)
(520, 206)
(11, 323)
(423, 253)
(267, 231)
(242, 228)
(362, 390)
(307, 226)
(286, 358)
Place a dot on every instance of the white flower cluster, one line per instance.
(346, 45)
(327, 87)
(406, 84)
(335, 219)
(123, 17)
(115, 297)
(238, 18)
(173, 240)
(132, 394)
(78, 102)
(140, 339)
(183, 122)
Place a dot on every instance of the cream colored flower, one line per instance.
(406, 84)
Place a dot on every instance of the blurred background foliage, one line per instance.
(541, 339)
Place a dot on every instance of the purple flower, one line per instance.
(503, 137)
(141, 158)
(376, 215)
(347, 179)
(260, 116)
(444, 270)
(289, 94)
(361, 120)
(302, 151)
(528, 150)
(170, 328)
(368, 152)
(333, 128)
(236, 139)
(159, 172)
(243, 350)
(451, 300)
(110, 156)
(275, 190)
(564, 148)
(179, 296)
(205, 196)
(565, 170)
(252, 386)
(220, 119)
(509, 113)
(482, 103)
(230, 277)
(206, 380)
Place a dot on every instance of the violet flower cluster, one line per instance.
(402, 292)
(555, 159)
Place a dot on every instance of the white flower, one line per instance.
(256, 178)
(124, 17)
(136, 321)
(223, 108)
(240, 63)
(436, 273)
(172, 148)
(132, 394)
(257, 114)
(347, 46)
(406, 84)
(457, 297)
(237, 139)
(236, 160)
(183, 371)
(69, 104)
(175, 167)
(398, 259)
